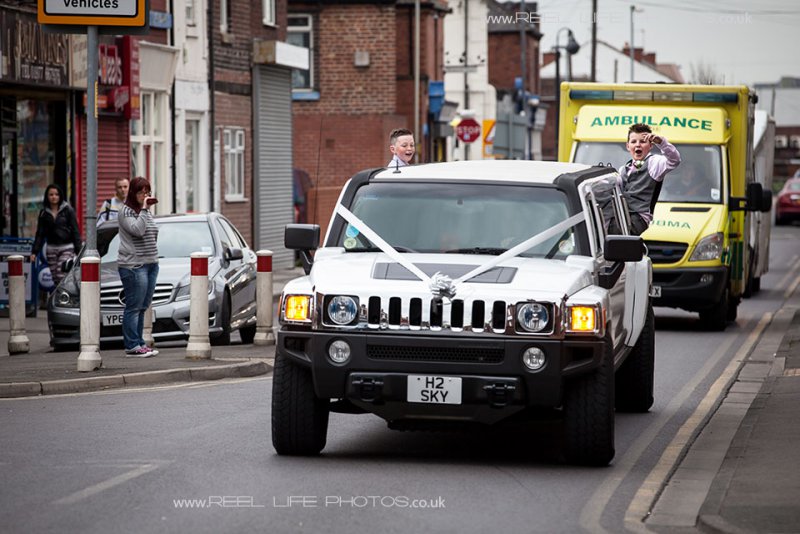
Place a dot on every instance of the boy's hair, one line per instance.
(398, 132)
(639, 127)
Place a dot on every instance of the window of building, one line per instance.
(233, 152)
(268, 7)
(225, 16)
(299, 33)
(190, 12)
(148, 142)
(191, 188)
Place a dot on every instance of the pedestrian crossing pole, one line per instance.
(264, 335)
(89, 359)
(199, 347)
(18, 341)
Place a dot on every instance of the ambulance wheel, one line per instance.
(716, 318)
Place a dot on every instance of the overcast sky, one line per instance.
(745, 41)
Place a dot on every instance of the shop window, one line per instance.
(300, 33)
(233, 152)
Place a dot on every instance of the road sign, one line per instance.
(468, 130)
(93, 12)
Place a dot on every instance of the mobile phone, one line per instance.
(151, 201)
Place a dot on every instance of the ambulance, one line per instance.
(701, 241)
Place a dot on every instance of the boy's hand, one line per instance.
(654, 139)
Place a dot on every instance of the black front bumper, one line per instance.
(683, 288)
(495, 382)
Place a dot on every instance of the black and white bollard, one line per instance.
(264, 335)
(18, 341)
(89, 359)
(199, 347)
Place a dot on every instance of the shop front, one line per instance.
(35, 127)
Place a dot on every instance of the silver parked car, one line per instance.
(232, 283)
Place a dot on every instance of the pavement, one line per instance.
(739, 474)
(45, 372)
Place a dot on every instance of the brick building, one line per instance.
(251, 106)
(359, 86)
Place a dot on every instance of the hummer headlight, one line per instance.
(297, 308)
(532, 316)
(342, 309)
(582, 319)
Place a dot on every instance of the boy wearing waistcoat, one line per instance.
(642, 176)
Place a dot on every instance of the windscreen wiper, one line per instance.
(477, 250)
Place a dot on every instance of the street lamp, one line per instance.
(572, 48)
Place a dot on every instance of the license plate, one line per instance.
(112, 319)
(655, 291)
(434, 389)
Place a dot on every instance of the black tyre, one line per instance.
(224, 338)
(589, 415)
(756, 284)
(716, 318)
(299, 418)
(634, 380)
(247, 333)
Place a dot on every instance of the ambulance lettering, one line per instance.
(671, 224)
(627, 120)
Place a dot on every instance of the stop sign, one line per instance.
(468, 130)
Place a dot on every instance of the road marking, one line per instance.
(650, 490)
(785, 280)
(107, 484)
(593, 510)
(791, 288)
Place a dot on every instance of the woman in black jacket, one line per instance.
(59, 227)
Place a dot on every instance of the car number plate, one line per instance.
(112, 319)
(655, 291)
(434, 389)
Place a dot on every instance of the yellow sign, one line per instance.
(131, 13)
(488, 138)
(678, 124)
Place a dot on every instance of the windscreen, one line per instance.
(697, 179)
(464, 218)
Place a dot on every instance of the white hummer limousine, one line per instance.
(468, 292)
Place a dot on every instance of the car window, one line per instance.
(175, 240)
(233, 235)
(459, 218)
(224, 238)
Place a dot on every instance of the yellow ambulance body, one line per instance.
(699, 239)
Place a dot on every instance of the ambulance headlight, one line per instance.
(709, 248)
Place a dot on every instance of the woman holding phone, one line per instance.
(137, 263)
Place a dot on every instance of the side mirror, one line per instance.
(766, 201)
(301, 237)
(755, 197)
(233, 254)
(67, 265)
(624, 248)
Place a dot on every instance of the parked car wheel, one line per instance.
(224, 338)
(589, 415)
(299, 417)
(716, 318)
(634, 380)
(247, 333)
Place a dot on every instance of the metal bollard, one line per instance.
(89, 359)
(264, 335)
(147, 331)
(199, 347)
(18, 341)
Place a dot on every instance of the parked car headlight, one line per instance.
(532, 316)
(709, 248)
(342, 309)
(65, 299)
(184, 292)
